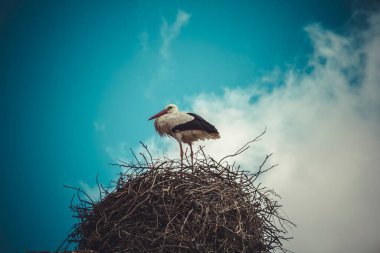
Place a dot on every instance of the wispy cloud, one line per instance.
(119, 152)
(323, 126)
(92, 191)
(170, 32)
(99, 127)
(165, 69)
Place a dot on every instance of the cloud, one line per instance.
(170, 32)
(99, 127)
(165, 68)
(92, 191)
(119, 152)
(323, 127)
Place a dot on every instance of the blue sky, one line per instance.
(80, 79)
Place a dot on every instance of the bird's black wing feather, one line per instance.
(198, 123)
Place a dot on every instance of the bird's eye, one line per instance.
(170, 107)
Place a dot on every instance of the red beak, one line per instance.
(164, 111)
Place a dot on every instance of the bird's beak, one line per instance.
(164, 111)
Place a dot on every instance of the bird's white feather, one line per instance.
(165, 123)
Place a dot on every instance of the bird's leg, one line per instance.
(181, 153)
(191, 153)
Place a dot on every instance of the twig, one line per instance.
(159, 205)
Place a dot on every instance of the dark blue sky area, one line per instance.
(66, 66)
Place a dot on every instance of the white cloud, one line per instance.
(170, 32)
(165, 68)
(323, 128)
(118, 153)
(92, 191)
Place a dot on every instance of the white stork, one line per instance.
(184, 127)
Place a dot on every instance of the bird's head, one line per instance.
(170, 108)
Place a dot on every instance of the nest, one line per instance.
(161, 206)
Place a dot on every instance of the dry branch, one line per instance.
(159, 206)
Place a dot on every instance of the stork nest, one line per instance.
(161, 206)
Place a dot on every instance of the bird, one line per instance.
(185, 127)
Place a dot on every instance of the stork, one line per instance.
(184, 127)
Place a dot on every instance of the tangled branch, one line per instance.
(159, 206)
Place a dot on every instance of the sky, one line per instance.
(79, 79)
